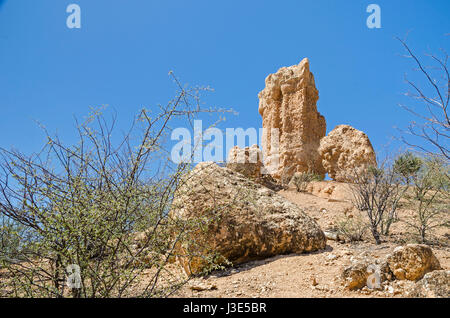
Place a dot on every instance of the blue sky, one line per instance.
(123, 52)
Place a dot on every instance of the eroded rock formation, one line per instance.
(345, 151)
(408, 262)
(288, 103)
(248, 221)
(247, 161)
(288, 106)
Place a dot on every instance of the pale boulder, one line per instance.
(247, 221)
(346, 151)
(247, 161)
(412, 261)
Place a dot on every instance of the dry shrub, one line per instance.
(352, 228)
(83, 204)
(301, 180)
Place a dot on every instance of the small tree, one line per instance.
(407, 165)
(429, 198)
(97, 211)
(12, 236)
(433, 95)
(377, 191)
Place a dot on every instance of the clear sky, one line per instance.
(123, 52)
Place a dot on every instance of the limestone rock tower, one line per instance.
(288, 106)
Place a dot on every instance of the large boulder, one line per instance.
(412, 261)
(345, 151)
(245, 221)
(288, 106)
(433, 285)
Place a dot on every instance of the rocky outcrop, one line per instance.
(294, 131)
(247, 161)
(412, 261)
(433, 285)
(346, 151)
(288, 105)
(244, 220)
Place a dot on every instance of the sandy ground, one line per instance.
(313, 274)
